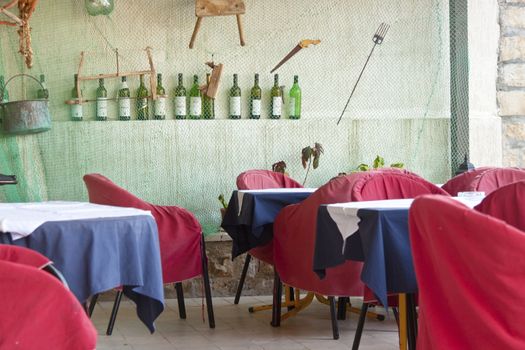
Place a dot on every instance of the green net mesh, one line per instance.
(401, 109)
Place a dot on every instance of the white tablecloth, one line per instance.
(21, 219)
(240, 193)
(345, 214)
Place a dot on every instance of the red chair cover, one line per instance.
(21, 255)
(262, 179)
(179, 231)
(506, 203)
(38, 312)
(295, 226)
(485, 180)
(259, 180)
(470, 269)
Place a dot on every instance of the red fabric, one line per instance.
(179, 231)
(506, 203)
(470, 270)
(295, 226)
(485, 180)
(38, 312)
(23, 256)
(263, 179)
(260, 180)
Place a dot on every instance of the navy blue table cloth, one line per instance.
(96, 255)
(382, 242)
(254, 226)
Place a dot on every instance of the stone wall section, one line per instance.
(511, 81)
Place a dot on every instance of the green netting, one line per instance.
(401, 109)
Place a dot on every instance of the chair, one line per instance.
(258, 180)
(37, 310)
(182, 250)
(506, 203)
(467, 263)
(294, 229)
(26, 256)
(485, 179)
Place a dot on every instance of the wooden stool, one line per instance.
(208, 8)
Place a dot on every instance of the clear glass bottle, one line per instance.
(142, 101)
(76, 108)
(255, 99)
(195, 99)
(276, 101)
(160, 102)
(294, 100)
(102, 101)
(235, 99)
(208, 104)
(180, 100)
(124, 101)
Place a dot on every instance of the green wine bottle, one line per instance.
(208, 104)
(76, 108)
(43, 92)
(195, 99)
(255, 99)
(276, 101)
(235, 99)
(102, 101)
(180, 100)
(294, 101)
(142, 101)
(124, 102)
(160, 102)
(5, 96)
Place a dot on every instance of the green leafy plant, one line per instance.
(379, 162)
(279, 167)
(223, 202)
(310, 157)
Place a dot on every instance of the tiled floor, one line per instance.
(237, 329)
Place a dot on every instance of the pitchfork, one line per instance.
(378, 38)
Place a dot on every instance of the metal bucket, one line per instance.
(25, 116)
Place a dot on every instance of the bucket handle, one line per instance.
(16, 76)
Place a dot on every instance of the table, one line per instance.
(251, 213)
(96, 255)
(375, 232)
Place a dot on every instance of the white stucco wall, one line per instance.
(485, 124)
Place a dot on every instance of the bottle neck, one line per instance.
(235, 80)
(195, 79)
(42, 79)
(276, 81)
(256, 80)
(141, 80)
(101, 83)
(159, 79)
(296, 80)
(180, 79)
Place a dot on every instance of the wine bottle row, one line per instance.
(192, 104)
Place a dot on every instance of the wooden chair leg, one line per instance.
(277, 295)
(195, 31)
(114, 312)
(243, 277)
(360, 325)
(92, 304)
(180, 300)
(335, 327)
(206, 281)
(241, 30)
